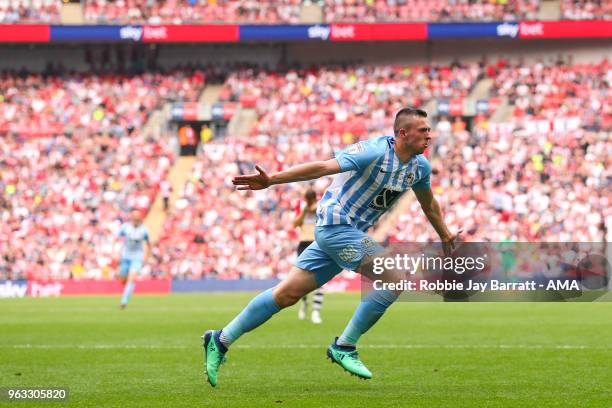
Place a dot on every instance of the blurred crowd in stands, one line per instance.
(543, 174)
(30, 11)
(586, 9)
(74, 159)
(429, 10)
(290, 11)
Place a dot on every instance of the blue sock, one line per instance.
(127, 292)
(257, 312)
(368, 312)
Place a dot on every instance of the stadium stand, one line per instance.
(351, 101)
(543, 175)
(179, 12)
(586, 9)
(539, 174)
(73, 161)
(303, 115)
(289, 11)
(422, 10)
(298, 111)
(29, 11)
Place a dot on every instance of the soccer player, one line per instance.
(306, 220)
(132, 254)
(370, 176)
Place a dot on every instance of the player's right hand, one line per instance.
(449, 244)
(255, 181)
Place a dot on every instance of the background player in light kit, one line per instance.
(133, 253)
(306, 220)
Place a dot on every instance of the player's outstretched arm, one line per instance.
(301, 172)
(432, 211)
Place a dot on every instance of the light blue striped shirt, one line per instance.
(372, 179)
(133, 246)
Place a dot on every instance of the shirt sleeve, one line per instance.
(424, 182)
(357, 156)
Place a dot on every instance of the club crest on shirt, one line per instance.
(410, 178)
(369, 246)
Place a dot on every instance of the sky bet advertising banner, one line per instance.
(136, 33)
(284, 32)
(523, 30)
(222, 33)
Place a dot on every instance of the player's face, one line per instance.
(136, 218)
(416, 134)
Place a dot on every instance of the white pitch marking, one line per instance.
(313, 346)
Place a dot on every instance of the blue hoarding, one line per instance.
(96, 33)
(214, 285)
(472, 30)
(13, 289)
(284, 32)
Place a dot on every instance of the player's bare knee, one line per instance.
(297, 284)
(286, 296)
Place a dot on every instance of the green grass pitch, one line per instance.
(421, 354)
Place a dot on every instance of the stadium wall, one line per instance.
(72, 56)
(443, 51)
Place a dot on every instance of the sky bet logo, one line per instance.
(130, 33)
(507, 30)
(318, 31)
(532, 30)
(343, 32)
